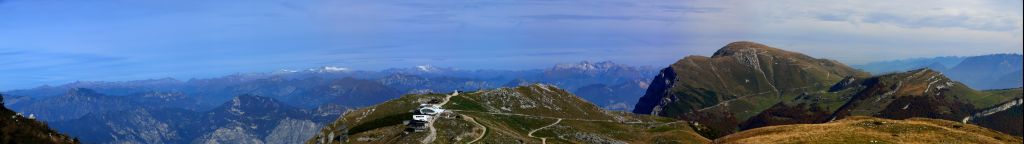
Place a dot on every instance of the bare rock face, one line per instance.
(230, 135)
(292, 131)
(1007, 117)
(157, 131)
(652, 101)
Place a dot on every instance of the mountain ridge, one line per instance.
(245, 118)
(747, 85)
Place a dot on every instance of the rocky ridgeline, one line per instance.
(747, 85)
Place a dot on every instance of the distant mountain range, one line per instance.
(995, 71)
(747, 85)
(893, 66)
(361, 88)
(244, 119)
(149, 111)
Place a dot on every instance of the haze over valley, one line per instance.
(564, 71)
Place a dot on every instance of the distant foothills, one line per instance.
(743, 86)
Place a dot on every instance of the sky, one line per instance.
(59, 41)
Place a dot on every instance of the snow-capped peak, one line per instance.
(286, 71)
(426, 68)
(586, 66)
(328, 69)
(332, 68)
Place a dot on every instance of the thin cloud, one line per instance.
(576, 17)
(691, 9)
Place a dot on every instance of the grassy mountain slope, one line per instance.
(747, 85)
(859, 129)
(530, 114)
(917, 93)
(737, 82)
(1007, 117)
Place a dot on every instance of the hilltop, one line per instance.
(737, 82)
(532, 114)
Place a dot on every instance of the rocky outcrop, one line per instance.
(656, 96)
(1007, 117)
(292, 131)
(235, 134)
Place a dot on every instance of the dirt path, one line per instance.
(471, 119)
(543, 140)
(433, 131)
(535, 116)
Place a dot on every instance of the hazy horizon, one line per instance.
(56, 42)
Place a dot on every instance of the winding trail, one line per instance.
(433, 131)
(536, 116)
(471, 119)
(543, 140)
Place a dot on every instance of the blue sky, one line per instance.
(60, 41)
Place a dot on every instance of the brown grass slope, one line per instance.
(15, 128)
(860, 129)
